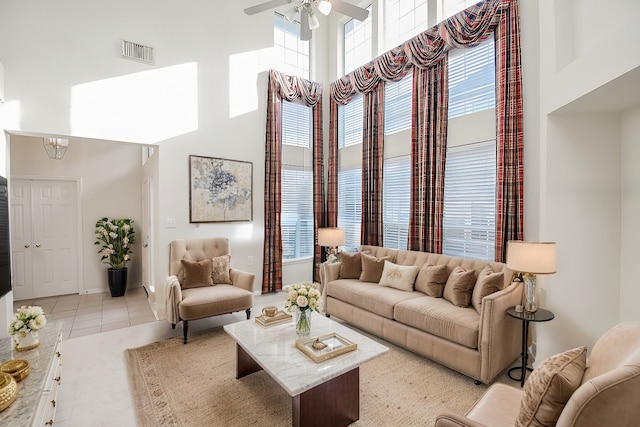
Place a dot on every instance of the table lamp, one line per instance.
(331, 237)
(531, 258)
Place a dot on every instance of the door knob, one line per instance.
(145, 245)
(38, 245)
(27, 246)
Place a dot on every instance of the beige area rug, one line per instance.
(191, 385)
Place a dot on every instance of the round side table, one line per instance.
(539, 315)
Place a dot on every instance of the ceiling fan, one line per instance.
(304, 11)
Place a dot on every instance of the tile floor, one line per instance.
(94, 390)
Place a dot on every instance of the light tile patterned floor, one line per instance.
(92, 313)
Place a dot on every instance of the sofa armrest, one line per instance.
(449, 419)
(172, 298)
(329, 271)
(499, 338)
(242, 279)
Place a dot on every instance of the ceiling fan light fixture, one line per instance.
(292, 14)
(313, 21)
(55, 147)
(324, 7)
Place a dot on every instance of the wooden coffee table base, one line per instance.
(335, 402)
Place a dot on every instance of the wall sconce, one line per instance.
(56, 147)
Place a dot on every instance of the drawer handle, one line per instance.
(49, 423)
(53, 403)
(58, 354)
(57, 379)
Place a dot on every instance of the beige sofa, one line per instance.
(478, 343)
(607, 392)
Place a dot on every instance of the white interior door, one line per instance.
(52, 248)
(146, 234)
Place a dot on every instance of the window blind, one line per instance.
(472, 79)
(397, 105)
(350, 206)
(469, 220)
(350, 118)
(296, 124)
(297, 212)
(395, 200)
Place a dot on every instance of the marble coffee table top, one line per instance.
(274, 349)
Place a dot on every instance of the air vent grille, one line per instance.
(137, 52)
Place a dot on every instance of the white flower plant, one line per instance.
(116, 236)
(305, 297)
(27, 320)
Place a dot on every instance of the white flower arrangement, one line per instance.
(304, 296)
(115, 237)
(27, 320)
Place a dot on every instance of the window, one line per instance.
(297, 212)
(350, 206)
(451, 7)
(396, 199)
(357, 43)
(472, 79)
(296, 124)
(291, 53)
(469, 221)
(350, 118)
(403, 19)
(397, 105)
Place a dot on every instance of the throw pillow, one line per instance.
(550, 386)
(196, 273)
(372, 268)
(431, 279)
(459, 286)
(350, 265)
(488, 283)
(398, 276)
(220, 270)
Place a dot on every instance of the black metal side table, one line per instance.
(539, 315)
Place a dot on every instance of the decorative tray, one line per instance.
(325, 346)
(279, 318)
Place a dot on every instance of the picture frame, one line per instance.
(331, 345)
(220, 190)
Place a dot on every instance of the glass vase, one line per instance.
(303, 323)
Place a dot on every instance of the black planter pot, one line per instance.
(117, 281)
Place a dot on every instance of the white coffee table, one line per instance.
(323, 394)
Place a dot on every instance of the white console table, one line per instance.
(36, 401)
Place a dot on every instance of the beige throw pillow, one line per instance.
(350, 265)
(220, 270)
(372, 268)
(550, 386)
(488, 283)
(460, 286)
(196, 273)
(431, 279)
(398, 276)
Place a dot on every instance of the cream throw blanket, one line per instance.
(172, 297)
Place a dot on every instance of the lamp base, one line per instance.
(530, 293)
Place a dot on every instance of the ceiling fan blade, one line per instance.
(348, 9)
(305, 31)
(265, 6)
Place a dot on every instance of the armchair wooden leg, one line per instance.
(185, 327)
(248, 311)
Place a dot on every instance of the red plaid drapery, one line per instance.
(288, 88)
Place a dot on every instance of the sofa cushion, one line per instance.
(213, 300)
(398, 276)
(431, 279)
(439, 317)
(372, 268)
(550, 386)
(368, 296)
(350, 265)
(459, 286)
(196, 273)
(220, 271)
(488, 282)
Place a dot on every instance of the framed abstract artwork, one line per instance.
(220, 190)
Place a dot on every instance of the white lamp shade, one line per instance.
(291, 14)
(324, 7)
(531, 257)
(330, 237)
(314, 24)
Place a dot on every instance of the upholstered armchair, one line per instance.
(202, 284)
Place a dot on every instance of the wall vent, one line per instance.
(137, 52)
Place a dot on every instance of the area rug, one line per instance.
(192, 385)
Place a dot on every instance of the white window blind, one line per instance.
(357, 43)
(472, 79)
(469, 221)
(403, 19)
(350, 118)
(396, 199)
(397, 105)
(297, 212)
(350, 206)
(291, 54)
(296, 124)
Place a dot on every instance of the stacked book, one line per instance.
(279, 318)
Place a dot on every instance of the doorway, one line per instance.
(44, 237)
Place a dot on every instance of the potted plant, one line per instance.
(115, 236)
